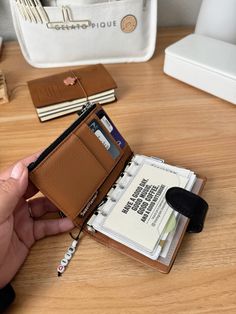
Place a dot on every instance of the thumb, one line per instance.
(12, 190)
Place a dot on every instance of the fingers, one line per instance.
(44, 228)
(31, 190)
(26, 161)
(40, 206)
(12, 190)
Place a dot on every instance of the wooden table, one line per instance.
(158, 116)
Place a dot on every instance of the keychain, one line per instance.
(71, 250)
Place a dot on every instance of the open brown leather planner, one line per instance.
(114, 195)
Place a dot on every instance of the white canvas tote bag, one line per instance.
(68, 32)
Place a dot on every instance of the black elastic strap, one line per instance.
(190, 205)
(7, 296)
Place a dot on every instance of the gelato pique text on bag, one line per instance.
(64, 33)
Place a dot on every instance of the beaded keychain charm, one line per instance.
(68, 256)
(70, 252)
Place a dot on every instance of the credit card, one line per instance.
(104, 139)
(111, 128)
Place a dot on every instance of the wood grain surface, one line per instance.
(158, 116)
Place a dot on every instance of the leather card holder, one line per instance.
(73, 171)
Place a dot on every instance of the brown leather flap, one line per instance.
(80, 170)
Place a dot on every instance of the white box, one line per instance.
(205, 63)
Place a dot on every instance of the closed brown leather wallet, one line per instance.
(76, 172)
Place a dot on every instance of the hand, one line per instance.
(18, 228)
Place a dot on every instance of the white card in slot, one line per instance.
(107, 124)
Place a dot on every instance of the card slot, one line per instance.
(96, 118)
(72, 174)
(91, 141)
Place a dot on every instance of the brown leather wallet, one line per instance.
(76, 172)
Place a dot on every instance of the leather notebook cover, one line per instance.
(76, 172)
(51, 89)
